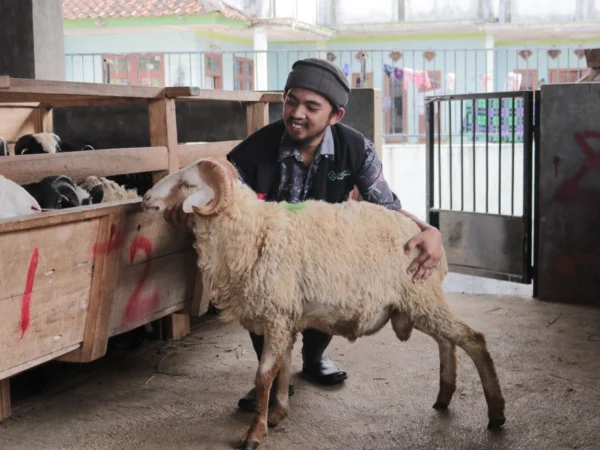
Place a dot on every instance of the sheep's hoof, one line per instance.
(250, 445)
(440, 406)
(494, 424)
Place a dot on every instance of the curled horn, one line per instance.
(219, 174)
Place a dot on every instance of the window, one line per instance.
(136, 69)
(529, 79)
(395, 108)
(244, 74)
(213, 71)
(566, 75)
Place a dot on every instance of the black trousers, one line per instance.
(314, 343)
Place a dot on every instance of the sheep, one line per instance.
(15, 200)
(264, 266)
(58, 192)
(38, 143)
(110, 190)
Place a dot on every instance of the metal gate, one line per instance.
(480, 174)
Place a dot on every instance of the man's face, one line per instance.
(307, 114)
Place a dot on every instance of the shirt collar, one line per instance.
(326, 148)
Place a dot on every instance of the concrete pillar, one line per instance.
(261, 44)
(490, 58)
(33, 46)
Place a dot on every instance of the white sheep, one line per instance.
(15, 200)
(278, 268)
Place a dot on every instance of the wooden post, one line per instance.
(163, 132)
(377, 123)
(104, 280)
(257, 116)
(45, 120)
(177, 326)
(4, 398)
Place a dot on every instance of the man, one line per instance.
(309, 154)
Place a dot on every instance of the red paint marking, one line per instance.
(138, 306)
(569, 188)
(568, 265)
(26, 302)
(115, 241)
(556, 162)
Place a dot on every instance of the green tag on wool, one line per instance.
(292, 206)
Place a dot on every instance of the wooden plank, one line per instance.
(257, 116)
(272, 97)
(163, 129)
(97, 101)
(46, 285)
(152, 289)
(182, 91)
(15, 121)
(377, 123)
(188, 153)
(4, 399)
(46, 123)
(70, 215)
(78, 165)
(38, 361)
(57, 90)
(222, 95)
(104, 276)
(158, 237)
(177, 326)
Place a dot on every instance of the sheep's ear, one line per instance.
(198, 200)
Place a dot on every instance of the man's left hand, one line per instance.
(430, 244)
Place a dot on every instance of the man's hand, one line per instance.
(429, 242)
(178, 219)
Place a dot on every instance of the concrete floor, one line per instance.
(183, 395)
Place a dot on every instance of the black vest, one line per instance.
(256, 156)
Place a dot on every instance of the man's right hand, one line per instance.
(178, 219)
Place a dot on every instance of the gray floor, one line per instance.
(183, 395)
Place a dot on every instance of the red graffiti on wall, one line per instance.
(568, 265)
(569, 189)
(26, 301)
(138, 306)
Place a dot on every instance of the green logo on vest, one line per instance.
(338, 176)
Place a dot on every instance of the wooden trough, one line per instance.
(73, 278)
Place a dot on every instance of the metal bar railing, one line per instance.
(492, 120)
(404, 76)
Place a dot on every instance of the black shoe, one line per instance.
(325, 372)
(248, 402)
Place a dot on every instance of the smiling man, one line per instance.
(310, 154)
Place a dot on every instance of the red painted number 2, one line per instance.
(138, 306)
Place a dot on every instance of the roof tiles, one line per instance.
(111, 9)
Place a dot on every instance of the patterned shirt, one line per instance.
(296, 177)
